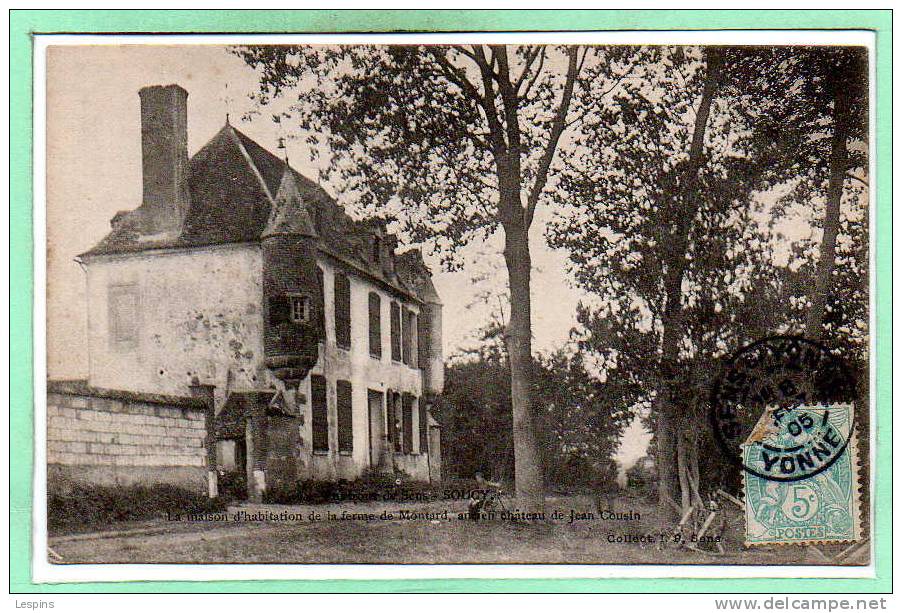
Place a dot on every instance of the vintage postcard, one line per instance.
(595, 301)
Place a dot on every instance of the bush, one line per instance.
(641, 478)
(233, 485)
(93, 506)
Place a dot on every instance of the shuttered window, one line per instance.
(394, 420)
(395, 332)
(375, 325)
(405, 336)
(342, 311)
(423, 340)
(407, 423)
(345, 417)
(321, 303)
(319, 420)
(410, 338)
(390, 418)
(279, 310)
(423, 419)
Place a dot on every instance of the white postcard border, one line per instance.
(44, 572)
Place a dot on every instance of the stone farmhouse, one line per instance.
(240, 283)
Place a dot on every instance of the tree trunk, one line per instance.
(668, 453)
(671, 322)
(694, 472)
(665, 459)
(683, 473)
(528, 467)
(516, 220)
(838, 167)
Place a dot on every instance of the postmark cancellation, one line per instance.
(801, 481)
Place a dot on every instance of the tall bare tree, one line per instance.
(672, 457)
(456, 141)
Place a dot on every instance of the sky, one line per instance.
(94, 170)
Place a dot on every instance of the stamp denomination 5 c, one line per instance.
(802, 482)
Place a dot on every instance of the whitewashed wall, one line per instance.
(365, 373)
(199, 316)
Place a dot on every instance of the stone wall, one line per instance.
(112, 437)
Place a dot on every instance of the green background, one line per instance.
(23, 24)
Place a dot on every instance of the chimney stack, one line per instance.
(164, 150)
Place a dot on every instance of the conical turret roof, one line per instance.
(289, 215)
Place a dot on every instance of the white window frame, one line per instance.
(306, 302)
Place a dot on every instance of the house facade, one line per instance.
(318, 343)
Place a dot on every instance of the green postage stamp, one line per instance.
(801, 477)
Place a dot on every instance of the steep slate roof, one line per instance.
(240, 192)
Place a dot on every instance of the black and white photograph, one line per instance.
(478, 301)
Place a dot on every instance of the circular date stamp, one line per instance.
(774, 395)
(783, 410)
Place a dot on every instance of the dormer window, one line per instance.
(300, 308)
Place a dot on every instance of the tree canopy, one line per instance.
(675, 237)
(674, 173)
(428, 133)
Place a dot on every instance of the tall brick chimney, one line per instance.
(164, 149)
